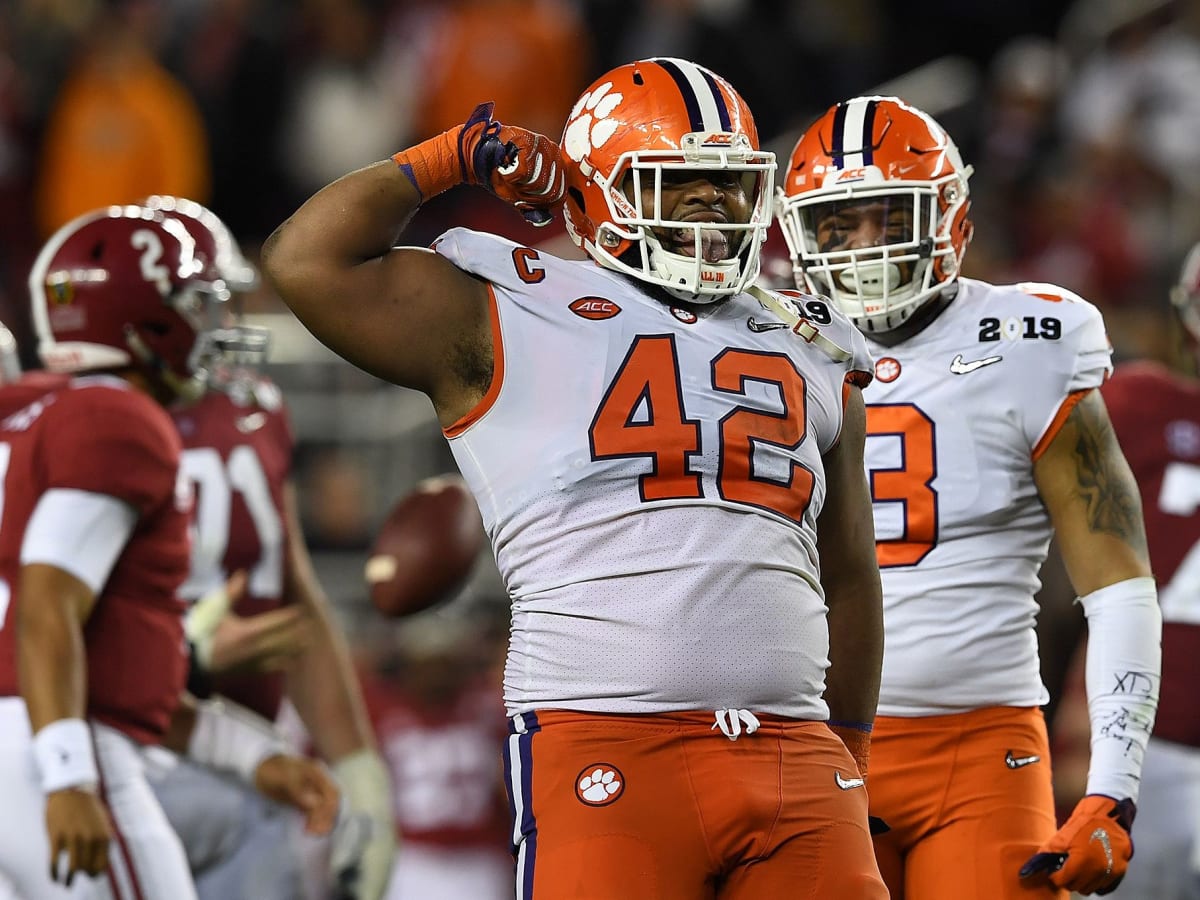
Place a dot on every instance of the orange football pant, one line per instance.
(969, 800)
(663, 807)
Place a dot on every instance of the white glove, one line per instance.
(364, 838)
(205, 614)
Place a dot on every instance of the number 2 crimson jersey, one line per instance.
(237, 451)
(650, 479)
(956, 417)
(1156, 415)
(97, 434)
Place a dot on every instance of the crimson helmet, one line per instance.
(122, 286)
(881, 150)
(630, 126)
(219, 251)
(1185, 298)
(215, 243)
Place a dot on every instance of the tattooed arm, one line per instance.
(1093, 500)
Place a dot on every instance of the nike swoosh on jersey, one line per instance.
(252, 422)
(959, 367)
(755, 325)
(1019, 762)
(848, 784)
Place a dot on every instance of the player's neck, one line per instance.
(921, 320)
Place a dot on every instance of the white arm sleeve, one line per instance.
(80, 532)
(1124, 665)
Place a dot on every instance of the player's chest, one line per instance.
(952, 414)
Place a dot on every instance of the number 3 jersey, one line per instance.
(237, 451)
(650, 478)
(956, 417)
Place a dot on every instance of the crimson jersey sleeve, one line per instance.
(113, 442)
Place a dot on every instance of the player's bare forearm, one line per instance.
(51, 608)
(321, 683)
(850, 577)
(1093, 500)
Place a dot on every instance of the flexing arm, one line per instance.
(850, 577)
(400, 313)
(397, 313)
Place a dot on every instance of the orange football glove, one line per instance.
(1091, 852)
(521, 167)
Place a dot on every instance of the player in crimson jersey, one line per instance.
(1156, 413)
(434, 699)
(986, 433)
(279, 639)
(93, 546)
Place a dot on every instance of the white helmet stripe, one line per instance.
(851, 139)
(704, 103)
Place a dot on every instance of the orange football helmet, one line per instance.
(630, 126)
(882, 151)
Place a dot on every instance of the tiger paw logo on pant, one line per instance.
(599, 784)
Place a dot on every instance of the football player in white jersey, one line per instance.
(668, 463)
(985, 431)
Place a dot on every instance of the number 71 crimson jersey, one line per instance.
(956, 417)
(650, 478)
(237, 451)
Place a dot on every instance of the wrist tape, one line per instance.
(433, 166)
(64, 755)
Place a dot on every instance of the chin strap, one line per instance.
(188, 390)
(798, 325)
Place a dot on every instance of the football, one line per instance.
(426, 547)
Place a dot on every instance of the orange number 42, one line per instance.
(648, 380)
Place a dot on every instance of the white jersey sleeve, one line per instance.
(1083, 357)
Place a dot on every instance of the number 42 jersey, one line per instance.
(650, 477)
(956, 417)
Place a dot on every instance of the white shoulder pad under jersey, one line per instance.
(956, 417)
(650, 479)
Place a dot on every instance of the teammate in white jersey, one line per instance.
(984, 431)
(669, 465)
